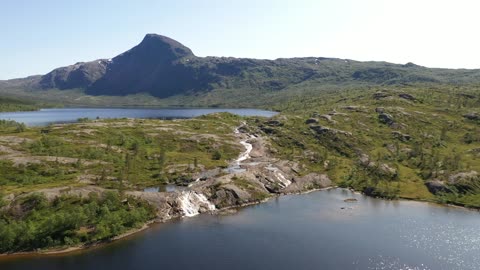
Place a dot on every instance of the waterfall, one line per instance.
(276, 171)
(191, 203)
(245, 155)
(235, 166)
(282, 178)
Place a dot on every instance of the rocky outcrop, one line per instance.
(407, 96)
(321, 130)
(463, 177)
(274, 123)
(380, 95)
(402, 137)
(230, 195)
(354, 108)
(437, 186)
(308, 182)
(386, 119)
(472, 116)
(381, 169)
(311, 121)
(379, 110)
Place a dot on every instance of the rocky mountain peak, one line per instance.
(159, 47)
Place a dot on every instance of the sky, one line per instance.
(38, 36)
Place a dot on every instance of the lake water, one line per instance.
(311, 231)
(66, 115)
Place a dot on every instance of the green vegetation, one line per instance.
(415, 142)
(8, 126)
(113, 156)
(116, 154)
(11, 105)
(36, 223)
(418, 142)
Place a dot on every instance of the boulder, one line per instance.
(379, 110)
(472, 116)
(388, 171)
(386, 119)
(311, 121)
(268, 130)
(402, 137)
(354, 108)
(321, 130)
(407, 96)
(274, 123)
(437, 186)
(380, 95)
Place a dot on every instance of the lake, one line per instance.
(311, 231)
(68, 115)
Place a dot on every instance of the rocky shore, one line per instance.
(254, 177)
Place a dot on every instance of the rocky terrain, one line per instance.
(252, 177)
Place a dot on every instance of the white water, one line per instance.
(243, 156)
(276, 171)
(196, 180)
(191, 202)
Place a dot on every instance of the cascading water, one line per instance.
(276, 171)
(191, 203)
(235, 167)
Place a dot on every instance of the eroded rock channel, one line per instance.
(251, 178)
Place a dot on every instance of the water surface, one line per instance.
(67, 115)
(312, 231)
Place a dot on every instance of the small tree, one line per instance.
(217, 155)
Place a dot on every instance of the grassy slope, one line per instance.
(117, 155)
(12, 104)
(133, 153)
(438, 147)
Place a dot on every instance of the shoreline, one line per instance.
(69, 250)
(59, 251)
(149, 224)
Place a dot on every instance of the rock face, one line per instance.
(309, 181)
(161, 62)
(230, 195)
(79, 75)
(158, 65)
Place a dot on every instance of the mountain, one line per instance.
(162, 67)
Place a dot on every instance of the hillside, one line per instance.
(163, 68)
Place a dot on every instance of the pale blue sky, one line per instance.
(37, 36)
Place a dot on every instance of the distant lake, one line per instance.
(314, 231)
(68, 115)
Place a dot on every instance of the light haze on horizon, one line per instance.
(38, 36)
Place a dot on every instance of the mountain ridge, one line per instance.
(163, 67)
